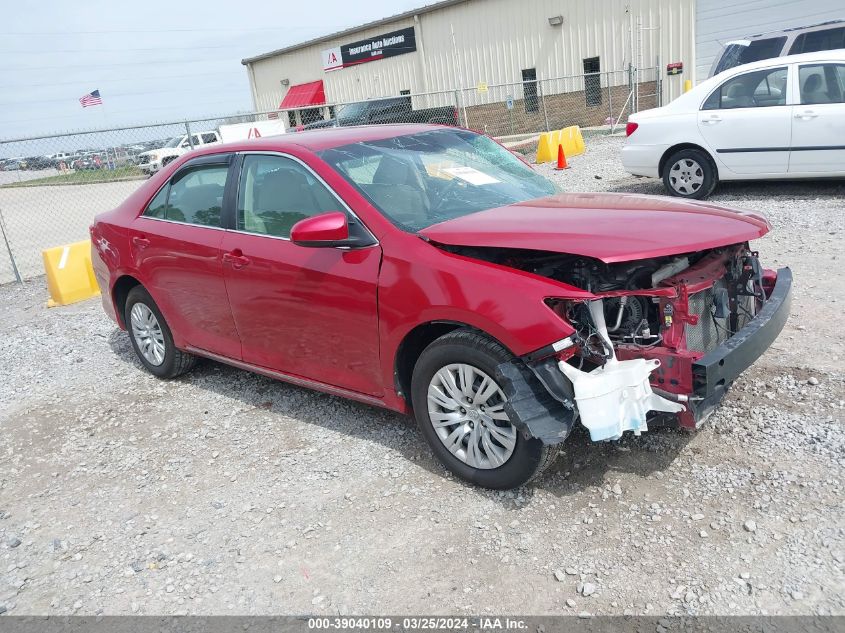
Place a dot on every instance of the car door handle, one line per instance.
(712, 119)
(807, 114)
(236, 259)
(140, 242)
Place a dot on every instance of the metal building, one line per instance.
(460, 44)
(599, 58)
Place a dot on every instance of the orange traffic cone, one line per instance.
(561, 158)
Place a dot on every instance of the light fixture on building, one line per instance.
(285, 82)
(556, 20)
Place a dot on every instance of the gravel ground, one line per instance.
(224, 492)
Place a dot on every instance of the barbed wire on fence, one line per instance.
(53, 185)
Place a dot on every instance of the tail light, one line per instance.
(631, 127)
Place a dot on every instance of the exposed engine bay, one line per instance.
(638, 318)
(636, 342)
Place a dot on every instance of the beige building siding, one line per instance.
(493, 41)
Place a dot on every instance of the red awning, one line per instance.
(302, 95)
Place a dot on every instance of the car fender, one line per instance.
(420, 283)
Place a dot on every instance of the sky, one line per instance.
(151, 60)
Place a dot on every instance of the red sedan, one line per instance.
(429, 270)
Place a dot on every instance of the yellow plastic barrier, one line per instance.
(571, 139)
(687, 85)
(70, 277)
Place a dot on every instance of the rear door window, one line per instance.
(209, 137)
(822, 83)
(194, 196)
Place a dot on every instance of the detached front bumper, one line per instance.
(714, 372)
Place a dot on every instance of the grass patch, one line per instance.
(83, 177)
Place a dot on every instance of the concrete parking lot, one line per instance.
(39, 217)
(224, 492)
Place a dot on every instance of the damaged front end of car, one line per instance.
(659, 341)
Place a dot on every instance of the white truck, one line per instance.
(153, 160)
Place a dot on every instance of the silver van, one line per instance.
(803, 39)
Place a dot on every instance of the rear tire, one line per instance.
(151, 337)
(485, 450)
(690, 173)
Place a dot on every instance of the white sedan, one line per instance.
(779, 118)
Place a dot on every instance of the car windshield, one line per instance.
(421, 179)
(352, 111)
(174, 142)
(739, 53)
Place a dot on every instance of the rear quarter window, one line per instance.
(822, 40)
(157, 206)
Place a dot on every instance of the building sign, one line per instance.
(373, 48)
(675, 68)
(332, 59)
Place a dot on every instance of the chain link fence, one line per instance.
(52, 186)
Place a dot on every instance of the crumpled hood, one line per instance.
(604, 226)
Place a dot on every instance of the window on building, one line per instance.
(592, 81)
(529, 89)
(291, 118)
(310, 115)
(404, 92)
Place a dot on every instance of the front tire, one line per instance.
(459, 408)
(151, 337)
(690, 173)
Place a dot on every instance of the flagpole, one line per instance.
(105, 126)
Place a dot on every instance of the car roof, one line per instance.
(819, 26)
(325, 138)
(834, 55)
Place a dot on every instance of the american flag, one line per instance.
(91, 99)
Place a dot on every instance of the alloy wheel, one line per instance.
(147, 333)
(466, 409)
(686, 176)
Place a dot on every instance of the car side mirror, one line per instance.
(326, 229)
